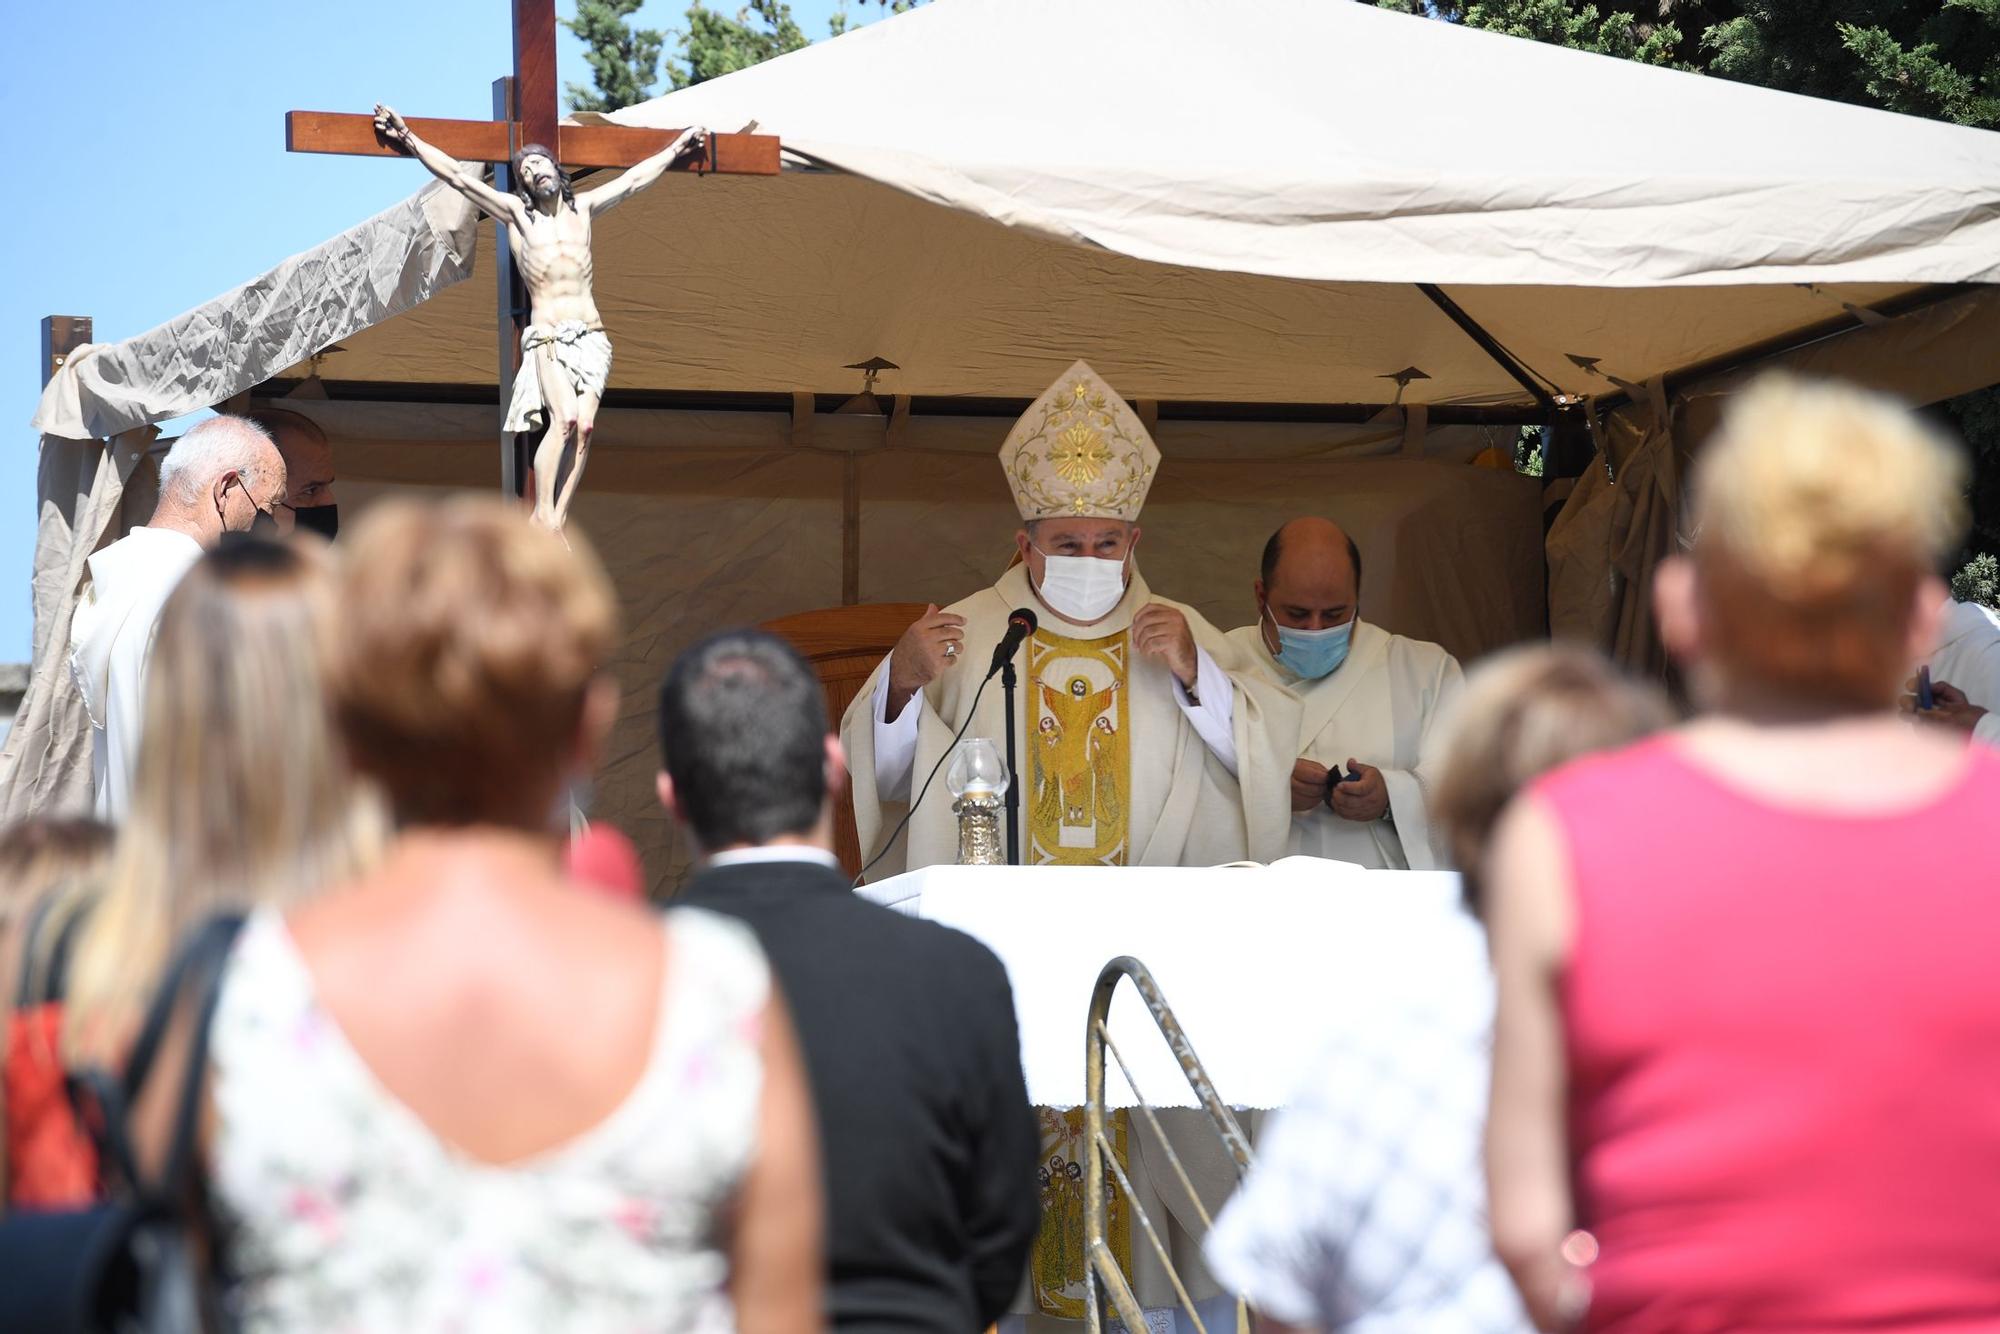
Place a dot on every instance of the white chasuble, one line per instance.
(1110, 769)
(1381, 707)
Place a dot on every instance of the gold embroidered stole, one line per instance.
(1058, 1265)
(1079, 779)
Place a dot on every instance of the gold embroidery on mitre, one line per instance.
(1079, 751)
(1079, 450)
(1079, 455)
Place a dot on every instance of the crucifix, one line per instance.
(543, 232)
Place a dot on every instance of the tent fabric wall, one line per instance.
(733, 524)
(733, 285)
(1610, 536)
(368, 273)
(1625, 514)
(1922, 357)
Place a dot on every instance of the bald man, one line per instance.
(309, 500)
(1371, 702)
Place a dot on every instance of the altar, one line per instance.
(1253, 960)
(1258, 964)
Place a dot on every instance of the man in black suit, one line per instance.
(907, 1027)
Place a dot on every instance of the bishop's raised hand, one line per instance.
(932, 643)
(1162, 633)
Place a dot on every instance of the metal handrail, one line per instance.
(1102, 1265)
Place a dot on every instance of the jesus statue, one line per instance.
(548, 229)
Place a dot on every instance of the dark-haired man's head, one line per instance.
(309, 499)
(537, 178)
(747, 756)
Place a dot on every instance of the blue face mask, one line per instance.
(1312, 654)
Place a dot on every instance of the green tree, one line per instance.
(1618, 34)
(714, 44)
(1940, 60)
(1978, 582)
(623, 61)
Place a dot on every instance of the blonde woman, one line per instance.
(458, 1093)
(241, 795)
(1749, 1011)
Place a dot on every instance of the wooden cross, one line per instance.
(525, 112)
(535, 120)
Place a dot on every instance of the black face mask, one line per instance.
(321, 519)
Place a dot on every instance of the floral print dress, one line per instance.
(343, 1212)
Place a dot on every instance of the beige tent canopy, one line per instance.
(1331, 252)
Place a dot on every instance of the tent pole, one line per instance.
(61, 335)
(1490, 346)
(513, 298)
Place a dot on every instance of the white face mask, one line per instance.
(1081, 588)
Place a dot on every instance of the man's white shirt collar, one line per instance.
(776, 852)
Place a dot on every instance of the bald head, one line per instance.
(1311, 576)
(308, 460)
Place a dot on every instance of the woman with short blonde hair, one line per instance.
(1748, 1012)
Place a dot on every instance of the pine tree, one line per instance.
(624, 61)
(715, 44)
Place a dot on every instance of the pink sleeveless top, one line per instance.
(1783, 1035)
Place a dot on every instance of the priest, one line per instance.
(1135, 747)
(1371, 701)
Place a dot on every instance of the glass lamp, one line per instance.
(977, 778)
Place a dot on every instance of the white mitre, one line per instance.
(1079, 451)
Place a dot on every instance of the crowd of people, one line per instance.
(1724, 1070)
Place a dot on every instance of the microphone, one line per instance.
(1021, 623)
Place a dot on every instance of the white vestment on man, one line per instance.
(1085, 693)
(111, 640)
(1381, 707)
(1968, 656)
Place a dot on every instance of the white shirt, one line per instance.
(1214, 719)
(776, 852)
(1968, 657)
(1366, 1210)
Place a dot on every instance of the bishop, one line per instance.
(1136, 747)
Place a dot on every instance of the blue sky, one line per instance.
(146, 142)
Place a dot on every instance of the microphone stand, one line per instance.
(1007, 683)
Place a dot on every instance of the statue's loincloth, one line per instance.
(581, 353)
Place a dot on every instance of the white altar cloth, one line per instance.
(1253, 960)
